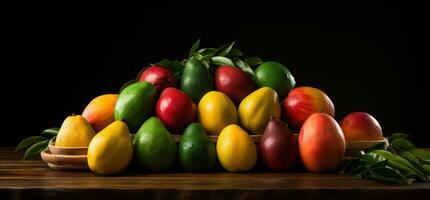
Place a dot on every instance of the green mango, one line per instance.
(276, 76)
(196, 80)
(135, 103)
(154, 146)
(196, 150)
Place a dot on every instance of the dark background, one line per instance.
(62, 56)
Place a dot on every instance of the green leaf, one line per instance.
(175, 66)
(198, 56)
(371, 159)
(50, 131)
(234, 52)
(127, 84)
(207, 52)
(224, 49)
(422, 155)
(397, 135)
(415, 162)
(366, 163)
(252, 61)
(220, 60)
(402, 144)
(244, 66)
(206, 63)
(194, 48)
(396, 162)
(28, 142)
(35, 149)
(358, 171)
(388, 175)
(426, 168)
(165, 63)
(367, 168)
(410, 157)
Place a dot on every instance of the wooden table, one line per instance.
(34, 180)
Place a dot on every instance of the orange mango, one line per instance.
(100, 111)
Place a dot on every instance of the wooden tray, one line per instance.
(365, 144)
(214, 138)
(65, 158)
(355, 145)
(67, 150)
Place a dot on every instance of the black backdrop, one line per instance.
(62, 56)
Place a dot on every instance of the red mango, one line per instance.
(321, 143)
(302, 102)
(234, 83)
(175, 109)
(159, 76)
(278, 146)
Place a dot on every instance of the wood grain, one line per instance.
(34, 180)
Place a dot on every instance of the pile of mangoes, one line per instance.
(215, 91)
(212, 92)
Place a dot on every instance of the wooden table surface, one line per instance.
(34, 180)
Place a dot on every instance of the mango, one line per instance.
(278, 146)
(111, 150)
(276, 76)
(196, 150)
(100, 111)
(234, 82)
(155, 148)
(235, 149)
(74, 132)
(196, 80)
(302, 102)
(216, 111)
(256, 110)
(135, 104)
(175, 109)
(321, 143)
(361, 126)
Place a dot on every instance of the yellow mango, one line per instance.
(74, 132)
(216, 111)
(257, 108)
(235, 149)
(111, 150)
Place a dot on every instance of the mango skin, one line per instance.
(321, 143)
(234, 83)
(197, 152)
(276, 76)
(362, 126)
(278, 148)
(100, 111)
(74, 132)
(111, 150)
(135, 104)
(196, 80)
(236, 150)
(302, 102)
(155, 148)
(256, 110)
(216, 111)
